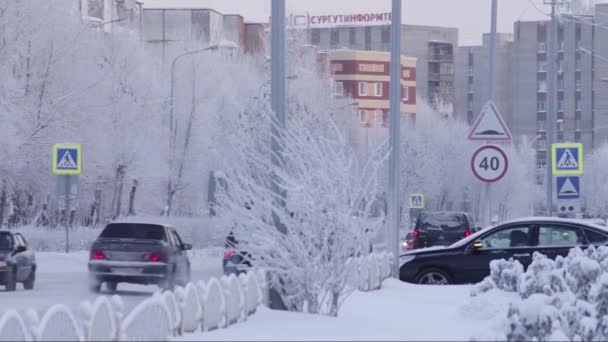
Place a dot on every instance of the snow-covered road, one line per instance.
(63, 279)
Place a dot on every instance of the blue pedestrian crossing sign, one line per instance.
(416, 201)
(567, 158)
(568, 187)
(67, 159)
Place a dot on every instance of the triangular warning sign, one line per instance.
(567, 161)
(568, 188)
(490, 125)
(67, 162)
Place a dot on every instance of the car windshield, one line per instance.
(134, 231)
(6, 241)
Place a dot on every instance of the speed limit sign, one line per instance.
(489, 163)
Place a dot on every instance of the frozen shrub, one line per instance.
(580, 273)
(599, 295)
(505, 274)
(486, 285)
(533, 319)
(541, 277)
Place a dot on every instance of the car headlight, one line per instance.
(404, 259)
(2, 263)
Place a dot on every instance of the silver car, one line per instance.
(139, 253)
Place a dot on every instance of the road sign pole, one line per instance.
(552, 57)
(491, 89)
(394, 116)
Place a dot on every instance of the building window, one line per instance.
(560, 125)
(578, 124)
(578, 64)
(541, 145)
(542, 66)
(560, 105)
(362, 89)
(542, 86)
(363, 117)
(470, 70)
(95, 9)
(470, 104)
(578, 105)
(315, 38)
(562, 45)
(540, 125)
(378, 87)
(541, 162)
(542, 47)
(338, 89)
(560, 83)
(405, 94)
(560, 66)
(578, 45)
(578, 84)
(541, 105)
(379, 117)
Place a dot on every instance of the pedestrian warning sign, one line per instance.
(567, 158)
(417, 201)
(67, 159)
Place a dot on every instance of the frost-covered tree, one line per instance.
(326, 204)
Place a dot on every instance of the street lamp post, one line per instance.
(171, 110)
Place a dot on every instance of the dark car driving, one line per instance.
(17, 261)
(139, 253)
(234, 261)
(468, 260)
(441, 228)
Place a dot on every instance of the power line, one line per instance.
(538, 9)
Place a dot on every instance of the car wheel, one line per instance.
(111, 286)
(28, 284)
(94, 285)
(11, 279)
(433, 276)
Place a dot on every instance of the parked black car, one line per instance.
(234, 261)
(468, 260)
(139, 253)
(441, 228)
(17, 261)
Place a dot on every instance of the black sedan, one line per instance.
(468, 260)
(17, 261)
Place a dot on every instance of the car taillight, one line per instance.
(227, 254)
(416, 233)
(467, 233)
(156, 257)
(97, 255)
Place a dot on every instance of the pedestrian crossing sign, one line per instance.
(416, 201)
(67, 159)
(567, 158)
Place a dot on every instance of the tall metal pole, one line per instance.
(394, 116)
(492, 91)
(551, 116)
(277, 89)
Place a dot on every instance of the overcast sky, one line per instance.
(471, 17)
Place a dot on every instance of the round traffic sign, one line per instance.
(489, 163)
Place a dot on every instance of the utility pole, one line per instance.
(551, 116)
(277, 89)
(492, 91)
(394, 116)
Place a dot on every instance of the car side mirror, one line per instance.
(186, 246)
(477, 245)
(20, 249)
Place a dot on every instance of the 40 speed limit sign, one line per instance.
(489, 163)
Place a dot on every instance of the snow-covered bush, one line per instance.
(374, 272)
(565, 299)
(13, 328)
(59, 324)
(150, 320)
(215, 306)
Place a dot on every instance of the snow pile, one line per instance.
(561, 299)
